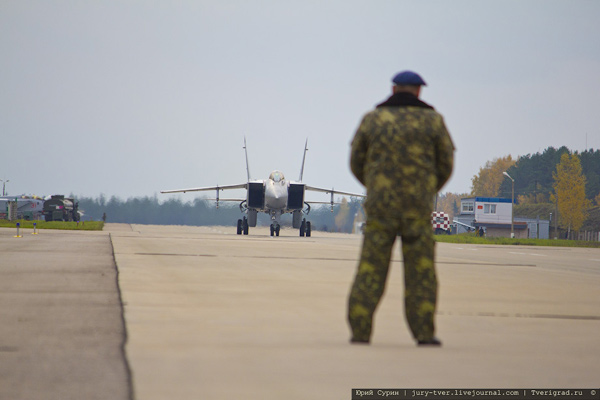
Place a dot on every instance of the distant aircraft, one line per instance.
(275, 196)
(28, 207)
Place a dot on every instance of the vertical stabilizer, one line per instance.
(247, 167)
(303, 159)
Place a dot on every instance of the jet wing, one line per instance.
(219, 199)
(202, 189)
(333, 192)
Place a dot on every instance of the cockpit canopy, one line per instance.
(277, 176)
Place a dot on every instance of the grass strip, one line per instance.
(473, 239)
(62, 225)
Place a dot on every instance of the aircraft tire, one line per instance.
(277, 230)
(308, 229)
(303, 228)
(272, 230)
(239, 227)
(245, 225)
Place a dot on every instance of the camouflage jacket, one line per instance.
(403, 154)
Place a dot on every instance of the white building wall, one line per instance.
(487, 209)
(497, 213)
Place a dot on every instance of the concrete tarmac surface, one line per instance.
(213, 315)
(61, 320)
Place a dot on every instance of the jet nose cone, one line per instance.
(276, 196)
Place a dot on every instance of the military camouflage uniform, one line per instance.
(403, 154)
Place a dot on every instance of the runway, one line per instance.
(210, 314)
(62, 333)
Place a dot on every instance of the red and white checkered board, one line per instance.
(440, 220)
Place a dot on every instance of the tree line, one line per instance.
(201, 212)
(534, 174)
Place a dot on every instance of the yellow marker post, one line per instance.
(18, 229)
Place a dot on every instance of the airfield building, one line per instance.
(493, 215)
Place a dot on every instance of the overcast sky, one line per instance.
(127, 98)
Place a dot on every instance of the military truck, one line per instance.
(61, 208)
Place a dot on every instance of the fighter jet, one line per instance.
(274, 196)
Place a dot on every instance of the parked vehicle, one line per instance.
(61, 208)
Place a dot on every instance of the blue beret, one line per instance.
(408, 78)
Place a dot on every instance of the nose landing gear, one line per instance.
(275, 229)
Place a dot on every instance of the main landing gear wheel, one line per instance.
(245, 225)
(242, 226)
(305, 228)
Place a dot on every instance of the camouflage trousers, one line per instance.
(420, 282)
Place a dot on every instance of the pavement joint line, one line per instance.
(485, 264)
(247, 256)
(60, 291)
(323, 259)
(229, 239)
(173, 254)
(125, 334)
(519, 315)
